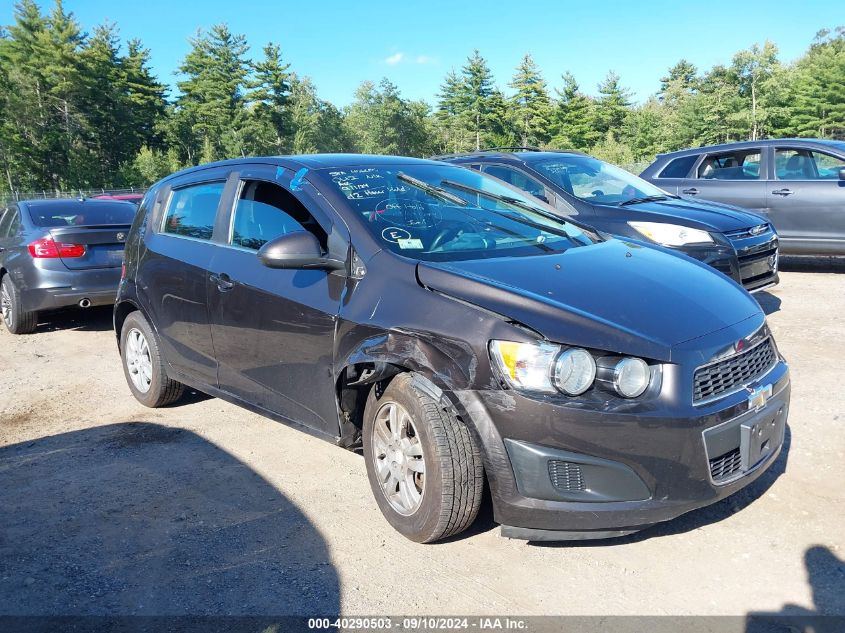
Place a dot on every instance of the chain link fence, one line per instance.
(7, 198)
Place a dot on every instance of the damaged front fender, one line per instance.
(449, 363)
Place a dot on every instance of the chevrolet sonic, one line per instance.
(455, 331)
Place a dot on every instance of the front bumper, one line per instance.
(751, 261)
(563, 473)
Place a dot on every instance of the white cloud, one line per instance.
(425, 59)
(394, 59)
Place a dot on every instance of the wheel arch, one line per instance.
(123, 309)
(440, 365)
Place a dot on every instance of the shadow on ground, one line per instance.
(769, 302)
(690, 521)
(97, 319)
(137, 518)
(826, 577)
(815, 264)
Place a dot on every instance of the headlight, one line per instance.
(575, 371)
(525, 365)
(671, 234)
(543, 367)
(628, 376)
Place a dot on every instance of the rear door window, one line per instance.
(192, 210)
(265, 211)
(736, 165)
(805, 164)
(679, 167)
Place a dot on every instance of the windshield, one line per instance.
(84, 214)
(593, 180)
(446, 213)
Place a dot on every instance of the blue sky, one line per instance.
(414, 44)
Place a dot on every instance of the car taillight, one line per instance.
(47, 248)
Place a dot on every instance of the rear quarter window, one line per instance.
(678, 167)
(191, 210)
(5, 220)
(14, 223)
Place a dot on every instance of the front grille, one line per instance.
(739, 370)
(566, 476)
(757, 262)
(726, 465)
(752, 231)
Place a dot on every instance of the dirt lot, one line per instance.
(110, 508)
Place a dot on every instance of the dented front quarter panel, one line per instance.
(388, 317)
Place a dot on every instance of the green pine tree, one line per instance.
(530, 105)
(475, 93)
(269, 121)
(818, 108)
(573, 120)
(211, 102)
(612, 105)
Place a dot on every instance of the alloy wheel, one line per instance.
(138, 360)
(398, 458)
(6, 306)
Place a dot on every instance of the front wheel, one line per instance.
(143, 365)
(423, 463)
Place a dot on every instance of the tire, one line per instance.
(143, 364)
(453, 479)
(16, 320)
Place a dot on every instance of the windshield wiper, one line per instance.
(432, 190)
(514, 202)
(655, 198)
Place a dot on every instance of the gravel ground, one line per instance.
(204, 508)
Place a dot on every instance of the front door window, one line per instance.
(805, 164)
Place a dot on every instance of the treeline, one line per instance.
(82, 111)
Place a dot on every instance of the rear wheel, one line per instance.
(17, 320)
(143, 365)
(423, 463)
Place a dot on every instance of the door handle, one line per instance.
(690, 192)
(223, 281)
(782, 192)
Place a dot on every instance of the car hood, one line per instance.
(614, 295)
(699, 214)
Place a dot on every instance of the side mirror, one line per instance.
(842, 173)
(299, 249)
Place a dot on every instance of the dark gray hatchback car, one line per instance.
(59, 253)
(797, 184)
(455, 331)
(734, 241)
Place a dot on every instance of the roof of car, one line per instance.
(119, 196)
(312, 161)
(520, 154)
(807, 142)
(70, 204)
